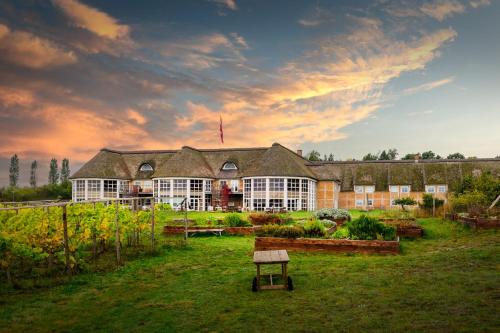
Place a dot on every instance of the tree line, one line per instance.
(58, 187)
(388, 155)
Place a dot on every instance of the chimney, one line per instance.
(299, 152)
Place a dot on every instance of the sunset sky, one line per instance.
(342, 77)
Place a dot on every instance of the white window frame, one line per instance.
(442, 188)
(403, 187)
(146, 167)
(360, 202)
(369, 202)
(359, 189)
(394, 188)
(430, 189)
(229, 166)
(370, 189)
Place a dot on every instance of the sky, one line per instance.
(341, 77)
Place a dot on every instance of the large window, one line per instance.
(358, 189)
(259, 184)
(94, 189)
(79, 190)
(259, 204)
(110, 189)
(430, 188)
(196, 185)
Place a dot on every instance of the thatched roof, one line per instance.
(280, 161)
(188, 162)
(417, 174)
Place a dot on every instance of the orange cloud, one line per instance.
(92, 19)
(442, 9)
(25, 49)
(136, 116)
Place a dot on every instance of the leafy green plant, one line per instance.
(283, 231)
(267, 218)
(328, 223)
(369, 228)
(341, 233)
(406, 201)
(314, 228)
(235, 220)
(473, 202)
(332, 213)
(429, 201)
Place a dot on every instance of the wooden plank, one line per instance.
(270, 257)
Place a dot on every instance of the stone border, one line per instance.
(173, 230)
(326, 245)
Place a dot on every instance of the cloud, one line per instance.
(92, 19)
(206, 52)
(25, 49)
(442, 9)
(312, 98)
(136, 117)
(437, 9)
(229, 4)
(317, 17)
(420, 113)
(429, 86)
(479, 3)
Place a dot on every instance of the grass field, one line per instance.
(447, 281)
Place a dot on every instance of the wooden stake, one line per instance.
(66, 241)
(153, 224)
(117, 235)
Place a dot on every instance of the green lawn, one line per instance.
(448, 281)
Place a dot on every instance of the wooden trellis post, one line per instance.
(117, 234)
(66, 241)
(153, 223)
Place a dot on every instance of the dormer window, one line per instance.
(146, 167)
(229, 166)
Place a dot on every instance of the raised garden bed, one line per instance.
(172, 230)
(326, 245)
(480, 223)
(338, 221)
(405, 227)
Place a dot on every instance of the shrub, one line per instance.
(341, 233)
(332, 213)
(473, 202)
(406, 201)
(265, 218)
(427, 201)
(369, 228)
(397, 214)
(314, 228)
(283, 231)
(235, 220)
(328, 223)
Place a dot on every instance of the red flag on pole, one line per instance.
(221, 131)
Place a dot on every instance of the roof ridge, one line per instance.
(484, 159)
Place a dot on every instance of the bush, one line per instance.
(427, 201)
(314, 228)
(397, 214)
(369, 228)
(282, 231)
(332, 213)
(266, 218)
(328, 224)
(406, 201)
(474, 203)
(235, 220)
(341, 233)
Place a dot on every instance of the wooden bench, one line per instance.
(279, 257)
(205, 231)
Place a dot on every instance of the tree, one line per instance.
(392, 153)
(314, 155)
(14, 171)
(456, 156)
(34, 167)
(428, 155)
(325, 158)
(65, 170)
(53, 172)
(407, 201)
(429, 201)
(330, 158)
(370, 157)
(410, 156)
(383, 156)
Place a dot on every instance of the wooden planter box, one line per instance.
(172, 230)
(480, 223)
(403, 228)
(326, 245)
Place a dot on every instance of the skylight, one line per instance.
(229, 166)
(146, 167)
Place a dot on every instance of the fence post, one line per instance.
(66, 241)
(153, 224)
(117, 234)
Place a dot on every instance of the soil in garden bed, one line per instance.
(326, 245)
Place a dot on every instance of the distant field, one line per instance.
(447, 281)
